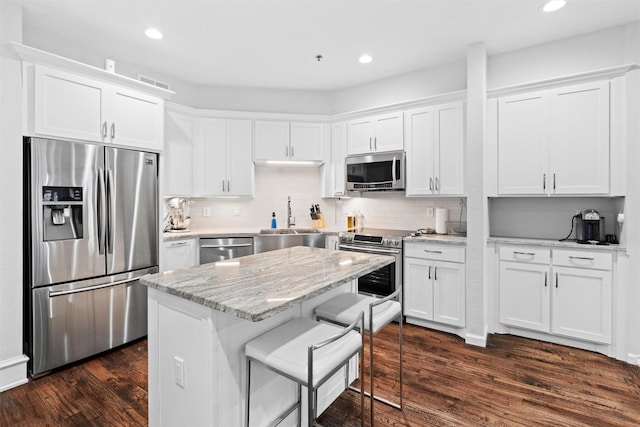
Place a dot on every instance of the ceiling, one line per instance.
(273, 43)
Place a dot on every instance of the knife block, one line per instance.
(317, 220)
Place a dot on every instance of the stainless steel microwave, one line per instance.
(376, 171)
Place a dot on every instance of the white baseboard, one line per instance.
(477, 340)
(634, 359)
(13, 372)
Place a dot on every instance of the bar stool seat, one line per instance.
(307, 352)
(378, 312)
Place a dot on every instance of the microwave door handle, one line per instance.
(393, 170)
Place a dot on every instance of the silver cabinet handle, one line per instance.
(104, 129)
(556, 280)
(375, 143)
(432, 252)
(584, 258)
(523, 253)
(435, 273)
(113, 131)
(437, 183)
(286, 151)
(175, 244)
(430, 184)
(544, 181)
(554, 181)
(228, 185)
(292, 151)
(370, 146)
(223, 185)
(429, 274)
(545, 279)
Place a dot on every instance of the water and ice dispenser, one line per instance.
(62, 213)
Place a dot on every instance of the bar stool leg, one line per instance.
(248, 388)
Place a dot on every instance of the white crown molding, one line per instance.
(603, 73)
(37, 56)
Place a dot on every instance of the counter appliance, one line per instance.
(91, 230)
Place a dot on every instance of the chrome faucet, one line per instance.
(291, 220)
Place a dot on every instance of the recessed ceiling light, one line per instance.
(153, 33)
(553, 5)
(365, 59)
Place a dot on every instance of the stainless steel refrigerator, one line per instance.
(91, 230)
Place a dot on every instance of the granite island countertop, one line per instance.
(256, 287)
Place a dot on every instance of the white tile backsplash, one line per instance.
(273, 184)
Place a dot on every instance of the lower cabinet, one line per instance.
(179, 254)
(434, 283)
(557, 291)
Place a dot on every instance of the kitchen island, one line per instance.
(200, 318)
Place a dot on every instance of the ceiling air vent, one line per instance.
(154, 82)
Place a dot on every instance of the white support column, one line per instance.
(477, 210)
(12, 360)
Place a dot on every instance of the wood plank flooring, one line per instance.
(513, 382)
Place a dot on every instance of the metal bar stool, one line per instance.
(378, 312)
(309, 353)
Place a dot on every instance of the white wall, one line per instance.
(12, 361)
(418, 84)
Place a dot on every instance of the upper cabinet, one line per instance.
(554, 141)
(68, 105)
(288, 141)
(178, 150)
(376, 134)
(435, 150)
(223, 157)
(334, 167)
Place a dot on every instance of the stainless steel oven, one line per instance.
(387, 279)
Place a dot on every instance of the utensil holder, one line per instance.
(317, 220)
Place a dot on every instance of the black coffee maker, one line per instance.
(590, 228)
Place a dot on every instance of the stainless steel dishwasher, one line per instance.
(219, 248)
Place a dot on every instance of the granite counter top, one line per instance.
(571, 244)
(437, 238)
(259, 286)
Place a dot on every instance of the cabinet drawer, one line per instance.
(525, 254)
(435, 252)
(582, 259)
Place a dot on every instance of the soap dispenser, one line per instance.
(274, 223)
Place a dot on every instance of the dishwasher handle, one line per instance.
(236, 245)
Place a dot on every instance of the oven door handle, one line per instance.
(370, 250)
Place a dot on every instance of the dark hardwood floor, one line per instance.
(512, 382)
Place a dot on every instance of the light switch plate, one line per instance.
(206, 212)
(429, 212)
(236, 211)
(178, 368)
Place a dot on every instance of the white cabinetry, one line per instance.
(178, 155)
(289, 141)
(376, 134)
(434, 283)
(567, 294)
(68, 105)
(435, 150)
(555, 141)
(332, 241)
(179, 254)
(334, 168)
(222, 161)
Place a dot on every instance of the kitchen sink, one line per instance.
(289, 231)
(271, 239)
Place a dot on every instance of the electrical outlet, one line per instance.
(206, 211)
(236, 211)
(178, 371)
(430, 212)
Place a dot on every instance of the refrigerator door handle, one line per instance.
(102, 212)
(90, 288)
(110, 213)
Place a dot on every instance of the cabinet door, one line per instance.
(419, 142)
(523, 144)
(418, 289)
(388, 132)
(360, 136)
(68, 106)
(579, 139)
(178, 177)
(336, 168)
(525, 295)
(179, 254)
(271, 140)
(240, 168)
(582, 304)
(211, 157)
(448, 154)
(449, 293)
(135, 119)
(307, 141)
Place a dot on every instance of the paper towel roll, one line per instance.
(442, 216)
